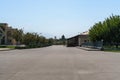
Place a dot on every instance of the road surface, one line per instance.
(59, 63)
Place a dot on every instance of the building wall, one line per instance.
(71, 42)
(77, 40)
(83, 39)
(3, 29)
(7, 32)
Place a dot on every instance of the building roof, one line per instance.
(85, 33)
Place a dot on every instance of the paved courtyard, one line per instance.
(59, 63)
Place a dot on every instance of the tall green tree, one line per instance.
(63, 39)
(108, 30)
(17, 34)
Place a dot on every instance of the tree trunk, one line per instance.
(117, 45)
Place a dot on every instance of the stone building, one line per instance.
(6, 34)
(78, 40)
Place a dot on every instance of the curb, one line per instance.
(5, 49)
(88, 49)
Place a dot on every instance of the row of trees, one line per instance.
(60, 41)
(108, 31)
(31, 39)
(36, 40)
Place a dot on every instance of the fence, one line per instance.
(97, 44)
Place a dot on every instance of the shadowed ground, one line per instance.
(59, 63)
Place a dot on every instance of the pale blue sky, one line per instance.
(56, 17)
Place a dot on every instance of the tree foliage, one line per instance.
(18, 35)
(108, 30)
(63, 39)
(35, 40)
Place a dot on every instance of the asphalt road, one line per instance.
(59, 63)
